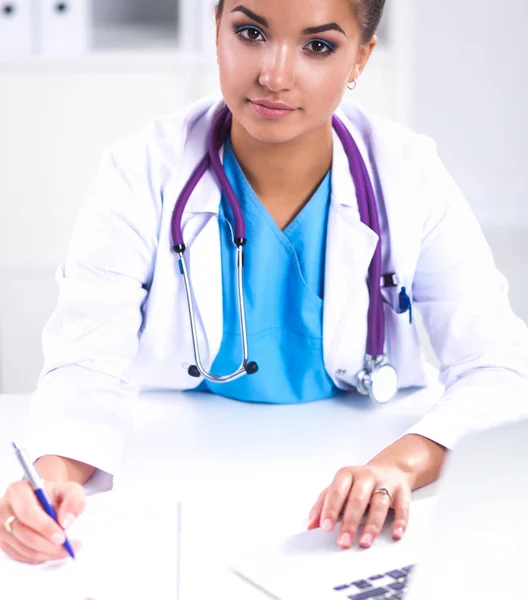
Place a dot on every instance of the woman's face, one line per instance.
(301, 53)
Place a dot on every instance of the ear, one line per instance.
(365, 52)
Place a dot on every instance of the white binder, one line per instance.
(63, 28)
(15, 28)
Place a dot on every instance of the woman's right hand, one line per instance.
(35, 537)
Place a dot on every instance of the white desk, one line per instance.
(245, 472)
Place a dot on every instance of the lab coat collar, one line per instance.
(341, 167)
(207, 195)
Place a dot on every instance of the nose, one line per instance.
(278, 69)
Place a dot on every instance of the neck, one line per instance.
(284, 174)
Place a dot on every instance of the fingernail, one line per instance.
(399, 532)
(69, 520)
(366, 540)
(58, 538)
(345, 540)
(328, 525)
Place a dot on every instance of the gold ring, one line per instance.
(383, 490)
(8, 524)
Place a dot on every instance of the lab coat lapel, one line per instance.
(202, 238)
(349, 251)
(400, 218)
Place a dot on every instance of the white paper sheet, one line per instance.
(130, 551)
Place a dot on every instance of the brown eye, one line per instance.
(250, 34)
(321, 47)
(253, 34)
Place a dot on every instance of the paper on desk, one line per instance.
(129, 552)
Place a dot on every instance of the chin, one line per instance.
(278, 139)
(269, 137)
(270, 132)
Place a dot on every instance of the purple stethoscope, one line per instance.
(378, 379)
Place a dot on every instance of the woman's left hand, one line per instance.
(352, 492)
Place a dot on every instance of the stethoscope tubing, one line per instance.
(369, 216)
(242, 369)
(368, 212)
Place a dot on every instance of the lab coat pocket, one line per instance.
(402, 345)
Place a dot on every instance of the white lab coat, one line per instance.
(122, 323)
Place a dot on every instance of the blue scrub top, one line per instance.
(283, 293)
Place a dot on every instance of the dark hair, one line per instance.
(369, 13)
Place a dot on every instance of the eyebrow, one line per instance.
(309, 31)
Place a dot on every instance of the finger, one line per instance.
(402, 508)
(335, 499)
(27, 510)
(356, 506)
(14, 548)
(14, 555)
(33, 542)
(71, 502)
(19, 558)
(315, 514)
(377, 515)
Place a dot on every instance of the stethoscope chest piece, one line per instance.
(379, 380)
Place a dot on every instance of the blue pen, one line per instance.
(36, 483)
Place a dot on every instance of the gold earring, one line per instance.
(353, 86)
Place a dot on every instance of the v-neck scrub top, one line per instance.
(283, 294)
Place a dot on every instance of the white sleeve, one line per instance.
(482, 346)
(83, 404)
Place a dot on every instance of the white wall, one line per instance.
(471, 95)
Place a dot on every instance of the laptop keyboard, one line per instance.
(385, 585)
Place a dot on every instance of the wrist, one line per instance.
(61, 469)
(385, 460)
(419, 458)
(52, 468)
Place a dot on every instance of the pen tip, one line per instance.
(14, 446)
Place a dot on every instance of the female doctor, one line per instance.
(344, 223)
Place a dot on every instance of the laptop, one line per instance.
(469, 543)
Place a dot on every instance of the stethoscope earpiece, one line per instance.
(252, 368)
(194, 372)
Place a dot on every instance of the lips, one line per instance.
(273, 105)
